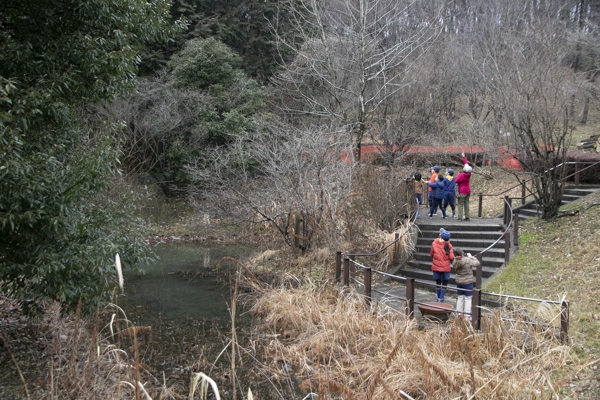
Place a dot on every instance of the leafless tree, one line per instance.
(150, 119)
(585, 54)
(278, 176)
(350, 62)
(522, 70)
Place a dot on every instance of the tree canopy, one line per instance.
(60, 225)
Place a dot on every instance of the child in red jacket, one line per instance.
(442, 255)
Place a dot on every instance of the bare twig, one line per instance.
(592, 205)
(569, 213)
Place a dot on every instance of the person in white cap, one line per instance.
(463, 181)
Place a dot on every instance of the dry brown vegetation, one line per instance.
(71, 357)
(339, 348)
(561, 258)
(316, 338)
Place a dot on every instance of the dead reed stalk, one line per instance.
(326, 336)
(233, 336)
(5, 342)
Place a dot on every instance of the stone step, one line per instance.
(486, 238)
(473, 236)
(570, 197)
(571, 194)
(453, 225)
(464, 234)
(584, 186)
(529, 212)
(580, 191)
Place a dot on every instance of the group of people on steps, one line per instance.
(441, 194)
(442, 188)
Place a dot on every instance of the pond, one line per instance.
(185, 300)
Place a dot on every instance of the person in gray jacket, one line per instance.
(463, 266)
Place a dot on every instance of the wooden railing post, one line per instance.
(507, 246)
(479, 271)
(576, 173)
(476, 309)
(523, 193)
(368, 274)
(480, 212)
(338, 266)
(396, 249)
(516, 229)
(564, 322)
(346, 271)
(410, 297)
(507, 202)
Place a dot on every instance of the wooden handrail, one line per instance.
(522, 183)
(477, 295)
(396, 240)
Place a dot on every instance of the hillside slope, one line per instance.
(562, 258)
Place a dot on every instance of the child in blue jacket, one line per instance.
(449, 191)
(438, 196)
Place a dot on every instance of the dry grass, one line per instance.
(501, 180)
(562, 258)
(341, 349)
(75, 358)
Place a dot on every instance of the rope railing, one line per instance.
(340, 255)
(523, 183)
(410, 300)
(509, 220)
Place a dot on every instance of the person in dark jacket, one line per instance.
(463, 266)
(449, 186)
(438, 196)
(432, 179)
(441, 256)
(463, 181)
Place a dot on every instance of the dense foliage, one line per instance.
(244, 26)
(202, 101)
(60, 226)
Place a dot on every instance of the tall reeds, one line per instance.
(330, 340)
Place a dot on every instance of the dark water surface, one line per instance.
(183, 283)
(185, 300)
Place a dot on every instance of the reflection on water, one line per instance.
(184, 300)
(182, 284)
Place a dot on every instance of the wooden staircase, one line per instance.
(572, 193)
(472, 236)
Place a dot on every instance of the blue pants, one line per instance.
(465, 290)
(419, 202)
(434, 206)
(449, 200)
(441, 279)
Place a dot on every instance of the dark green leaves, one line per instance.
(60, 224)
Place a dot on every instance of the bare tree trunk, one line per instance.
(585, 111)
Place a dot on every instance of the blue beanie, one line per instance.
(436, 168)
(450, 171)
(444, 234)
